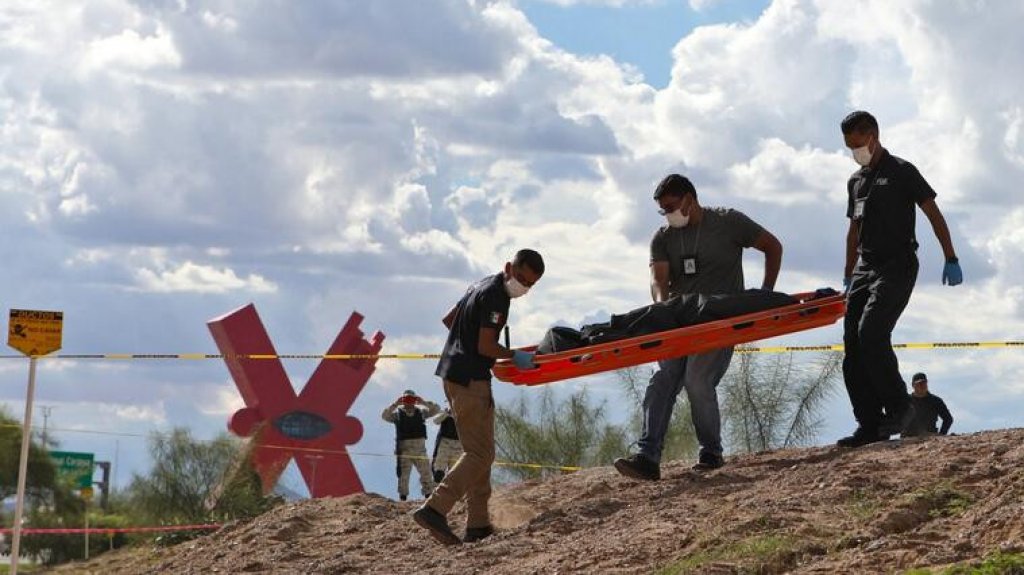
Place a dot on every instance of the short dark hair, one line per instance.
(530, 259)
(919, 377)
(674, 185)
(860, 122)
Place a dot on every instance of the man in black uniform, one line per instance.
(880, 272)
(928, 409)
(465, 366)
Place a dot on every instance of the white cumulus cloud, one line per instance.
(192, 277)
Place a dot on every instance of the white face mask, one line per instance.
(514, 288)
(677, 219)
(862, 155)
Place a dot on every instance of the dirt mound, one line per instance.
(882, 508)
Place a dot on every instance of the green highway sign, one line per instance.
(77, 467)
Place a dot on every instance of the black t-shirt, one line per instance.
(882, 201)
(484, 305)
(927, 410)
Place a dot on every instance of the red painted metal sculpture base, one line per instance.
(314, 426)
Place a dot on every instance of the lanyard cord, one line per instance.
(696, 242)
(867, 196)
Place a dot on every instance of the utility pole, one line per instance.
(46, 409)
(104, 484)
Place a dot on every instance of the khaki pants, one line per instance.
(473, 407)
(413, 453)
(446, 455)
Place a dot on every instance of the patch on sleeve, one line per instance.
(496, 317)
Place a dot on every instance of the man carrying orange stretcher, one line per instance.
(700, 251)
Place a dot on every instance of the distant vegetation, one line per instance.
(188, 483)
(767, 402)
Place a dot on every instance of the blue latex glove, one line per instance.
(952, 274)
(846, 283)
(523, 359)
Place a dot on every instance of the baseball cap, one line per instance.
(919, 376)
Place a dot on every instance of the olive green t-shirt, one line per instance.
(716, 246)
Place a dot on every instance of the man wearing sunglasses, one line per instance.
(700, 250)
(465, 367)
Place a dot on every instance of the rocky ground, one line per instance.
(885, 508)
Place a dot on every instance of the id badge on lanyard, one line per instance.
(688, 259)
(860, 204)
(858, 208)
(690, 265)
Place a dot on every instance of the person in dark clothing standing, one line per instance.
(409, 414)
(880, 273)
(928, 409)
(447, 447)
(465, 367)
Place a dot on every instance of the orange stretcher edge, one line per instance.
(807, 314)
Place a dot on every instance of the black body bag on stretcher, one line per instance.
(679, 311)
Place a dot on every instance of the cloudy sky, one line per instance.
(163, 162)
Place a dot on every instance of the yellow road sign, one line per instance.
(34, 332)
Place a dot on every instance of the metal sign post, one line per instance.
(86, 493)
(26, 438)
(33, 333)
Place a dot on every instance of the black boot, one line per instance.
(862, 436)
(437, 524)
(638, 467)
(708, 461)
(474, 534)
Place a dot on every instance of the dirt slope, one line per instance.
(879, 509)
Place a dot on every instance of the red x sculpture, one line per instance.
(313, 427)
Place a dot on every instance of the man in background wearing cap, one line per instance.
(409, 413)
(880, 273)
(928, 409)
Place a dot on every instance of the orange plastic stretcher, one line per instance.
(807, 314)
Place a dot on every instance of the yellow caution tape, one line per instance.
(927, 345)
(356, 356)
(348, 356)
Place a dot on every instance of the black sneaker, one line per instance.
(897, 423)
(429, 519)
(861, 436)
(474, 534)
(708, 461)
(638, 467)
